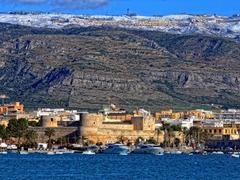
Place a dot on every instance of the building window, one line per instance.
(215, 131)
(149, 126)
(94, 122)
(51, 119)
(220, 131)
(225, 130)
(210, 131)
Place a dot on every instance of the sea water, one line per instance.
(38, 166)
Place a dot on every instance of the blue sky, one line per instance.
(119, 7)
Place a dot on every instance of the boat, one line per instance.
(148, 149)
(88, 152)
(204, 153)
(176, 152)
(234, 155)
(23, 152)
(115, 148)
(190, 154)
(68, 151)
(50, 153)
(217, 152)
(3, 152)
(123, 153)
(58, 152)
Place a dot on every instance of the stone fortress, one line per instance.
(97, 128)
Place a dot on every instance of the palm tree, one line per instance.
(165, 127)
(31, 136)
(151, 140)
(194, 133)
(49, 132)
(3, 131)
(171, 136)
(82, 138)
(158, 132)
(122, 139)
(185, 132)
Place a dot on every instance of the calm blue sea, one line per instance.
(109, 166)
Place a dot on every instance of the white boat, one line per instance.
(218, 152)
(176, 152)
(148, 149)
(234, 156)
(50, 153)
(68, 151)
(23, 152)
(115, 148)
(88, 152)
(3, 152)
(58, 152)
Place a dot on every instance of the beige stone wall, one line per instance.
(143, 123)
(91, 119)
(137, 123)
(148, 123)
(104, 135)
(49, 121)
(118, 126)
(59, 132)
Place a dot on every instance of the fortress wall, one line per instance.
(146, 123)
(104, 135)
(149, 123)
(59, 132)
(91, 119)
(118, 126)
(49, 121)
(137, 123)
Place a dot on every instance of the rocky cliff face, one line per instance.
(83, 68)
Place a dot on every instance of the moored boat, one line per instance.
(88, 152)
(123, 153)
(50, 153)
(234, 155)
(148, 149)
(23, 152)
(115, 148)
(3, 152)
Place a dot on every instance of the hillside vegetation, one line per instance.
(85, 68)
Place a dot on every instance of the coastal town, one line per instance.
(195, 130)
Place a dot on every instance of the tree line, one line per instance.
(17, 132)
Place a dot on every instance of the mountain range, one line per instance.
(87, 66)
